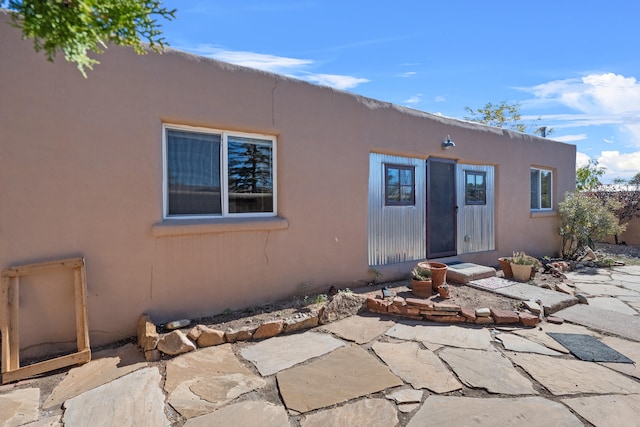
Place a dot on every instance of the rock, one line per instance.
(532, 306)
(269, 329)
(209, 337)
(484, 320)
(147, 335)
(175, 343)
(406, 396)
(556, 320)
(300, 322)
(483, 312)
(242, 334)
(152, 355)
(344, 304)
(561, 287)
(177, 324)
(503, 317)
(582, 298)
(195, 332)
(469, 314)
(376, 305)
(398, 302)
(528, 319)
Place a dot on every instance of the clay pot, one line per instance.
(505, 266)
(438, 272)
(422, 288)
(522, 273)
(443, 291)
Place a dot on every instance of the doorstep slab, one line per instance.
(344, 374)
(552, 301)
(469, 411)
(465, 272)
(623, 325)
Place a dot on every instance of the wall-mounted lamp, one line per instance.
(448, 143)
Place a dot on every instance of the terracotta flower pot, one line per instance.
(505, 266)
(438, 272)
(522, 273)
(443, 291)
(422, 288)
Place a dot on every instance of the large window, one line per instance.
(399, 185)
(541, 189)
(211, 173)
(475, 188)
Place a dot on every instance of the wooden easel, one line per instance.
(9, 305)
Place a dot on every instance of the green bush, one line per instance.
(585, 219)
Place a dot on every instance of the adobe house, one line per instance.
(191, 186)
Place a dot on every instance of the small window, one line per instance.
(212, 173)
(475, 188)
(399, 185)
(541, 189)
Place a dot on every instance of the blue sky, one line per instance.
(575, 65)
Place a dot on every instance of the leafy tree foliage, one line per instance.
(75, 27)
(626, 205)
(588, 176)
(584, 219)
(635, 180)
(504, 115)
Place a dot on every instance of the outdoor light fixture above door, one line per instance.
(448, 143)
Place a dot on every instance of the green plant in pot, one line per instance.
(421, 282)
(522, 266)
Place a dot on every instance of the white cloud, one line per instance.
(292, 67)
(408, 74)
(582, 159)
(619, 165)
(606, 98)
(609, 140)
(439, 99)
(334, 80)
(414, 99)
(569, 138)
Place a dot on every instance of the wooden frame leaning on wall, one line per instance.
(9, 315)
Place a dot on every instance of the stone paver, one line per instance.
(612, 304)
(250, 413)
(523, 345)
(200, 382)
(365, 412)
(468, 411)
(275, 354)
(406, 395)
(342, 375)
(631, 349)
(485, 369)
(619, 324)
(538, 335)
(420, 368)
(359, 329)
(567, 377)
(606, 411)
(19, 407)
(135, 399)
(54, 421)
(552, 301)
(449, 335)
(598, 289)
(98, 371)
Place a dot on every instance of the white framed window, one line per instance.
(210, 173)
(541, 189)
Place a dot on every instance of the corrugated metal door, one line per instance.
(476, 208)
(396, 233)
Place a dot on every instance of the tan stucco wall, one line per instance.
(81, 174)
(631, 235)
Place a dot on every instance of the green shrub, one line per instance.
(585, 219)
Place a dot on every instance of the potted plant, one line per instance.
(443, 291)
(421, 284)
(522, 266)
(438, 272)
